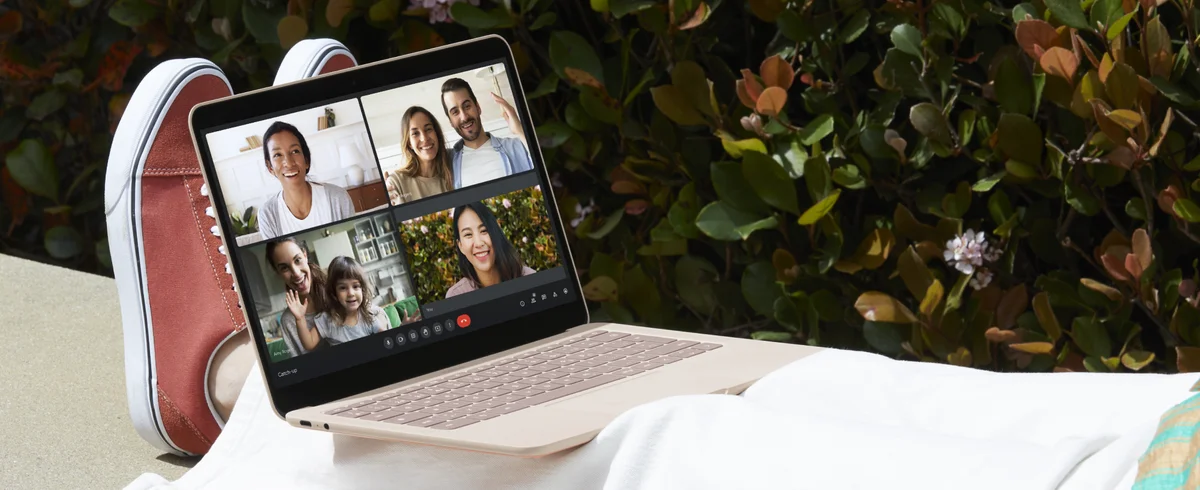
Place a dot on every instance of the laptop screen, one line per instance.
(387, 221)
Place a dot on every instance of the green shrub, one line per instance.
(790, 170)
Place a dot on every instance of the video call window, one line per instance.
(447, 133)
(479, 244)
(331, 285)
(297, 172)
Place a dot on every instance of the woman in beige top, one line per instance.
(427, 164)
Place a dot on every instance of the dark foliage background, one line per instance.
(993, 184)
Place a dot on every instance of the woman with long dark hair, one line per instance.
(300, 204)
(427, 164)
(485, 256)
(306, 294)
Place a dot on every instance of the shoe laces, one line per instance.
(216, 231)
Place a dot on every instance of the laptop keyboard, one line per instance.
(523, 380)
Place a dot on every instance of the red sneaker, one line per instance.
(177, 300)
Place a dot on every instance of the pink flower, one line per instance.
(507, 204)
(424, 230)
(538, 187)
(439, 10)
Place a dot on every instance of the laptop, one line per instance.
(402, 265)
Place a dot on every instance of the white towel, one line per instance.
(834, 420)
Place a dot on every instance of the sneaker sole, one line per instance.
(307, 58)
(122, 191)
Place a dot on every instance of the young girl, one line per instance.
(351, 316)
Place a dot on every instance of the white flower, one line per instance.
(524, 239)
(981, 279)
(967, 252)
(424, 230)
(507, 204)
(582, 212)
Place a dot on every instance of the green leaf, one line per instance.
(1046, 317)
(1039, 85)
(695, 278)
(954, 300)
(907, 39)
(610, 223)
(477, 18)
(902, 72)
(850, 177)
(547, 18)
(1024, 10)
(45, 104)
(1118, 27)
(262, 23)
(1187, 209)
(11, 125)
(771, 336)
(760, 289)
(736, 148)
(1136, 208)
(951, 17)
(1091, 336)
(1020, 138)
(1122, 86)
(33, 168)
(132, 13)
(786, 313)
(1135, 360)
(1082, 200)
(553, 134)
(855, 26)
(71, 78)
(570, 50)
(883, 337)
(63, 242)
(690, 79)
(770, 181)
(683, 212)
(794, 27)
(816, 130)
(674, 104)
(987, 183)
(1173, 92)
(820, 209)
(596, 104)
(1014, 89)
(817, 177)
(724, 222)
(641, 292)
(601, 288)
(621, 8)
(929, 121)
(600, 5)
(732, 187)
(1069, 12)
(545, 87)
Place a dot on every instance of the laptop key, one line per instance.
(456, 423)
(408, 417)
(671, 347)
(650, 339)
(708, 346)
(572, 389)
(383, 415)
(428, 421)
(688, 352)
(337, 411)
(486, 385)
(609, 337)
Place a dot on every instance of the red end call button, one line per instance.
(464, 321)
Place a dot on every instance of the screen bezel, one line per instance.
(340, 85)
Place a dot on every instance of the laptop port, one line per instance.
(306, 423)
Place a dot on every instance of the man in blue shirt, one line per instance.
(480, 157)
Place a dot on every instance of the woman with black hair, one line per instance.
(485, 256)
(301, 204)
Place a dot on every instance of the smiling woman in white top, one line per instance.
(301, 204)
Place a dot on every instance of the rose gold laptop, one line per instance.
(406, 275)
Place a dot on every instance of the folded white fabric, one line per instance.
(835, 420)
